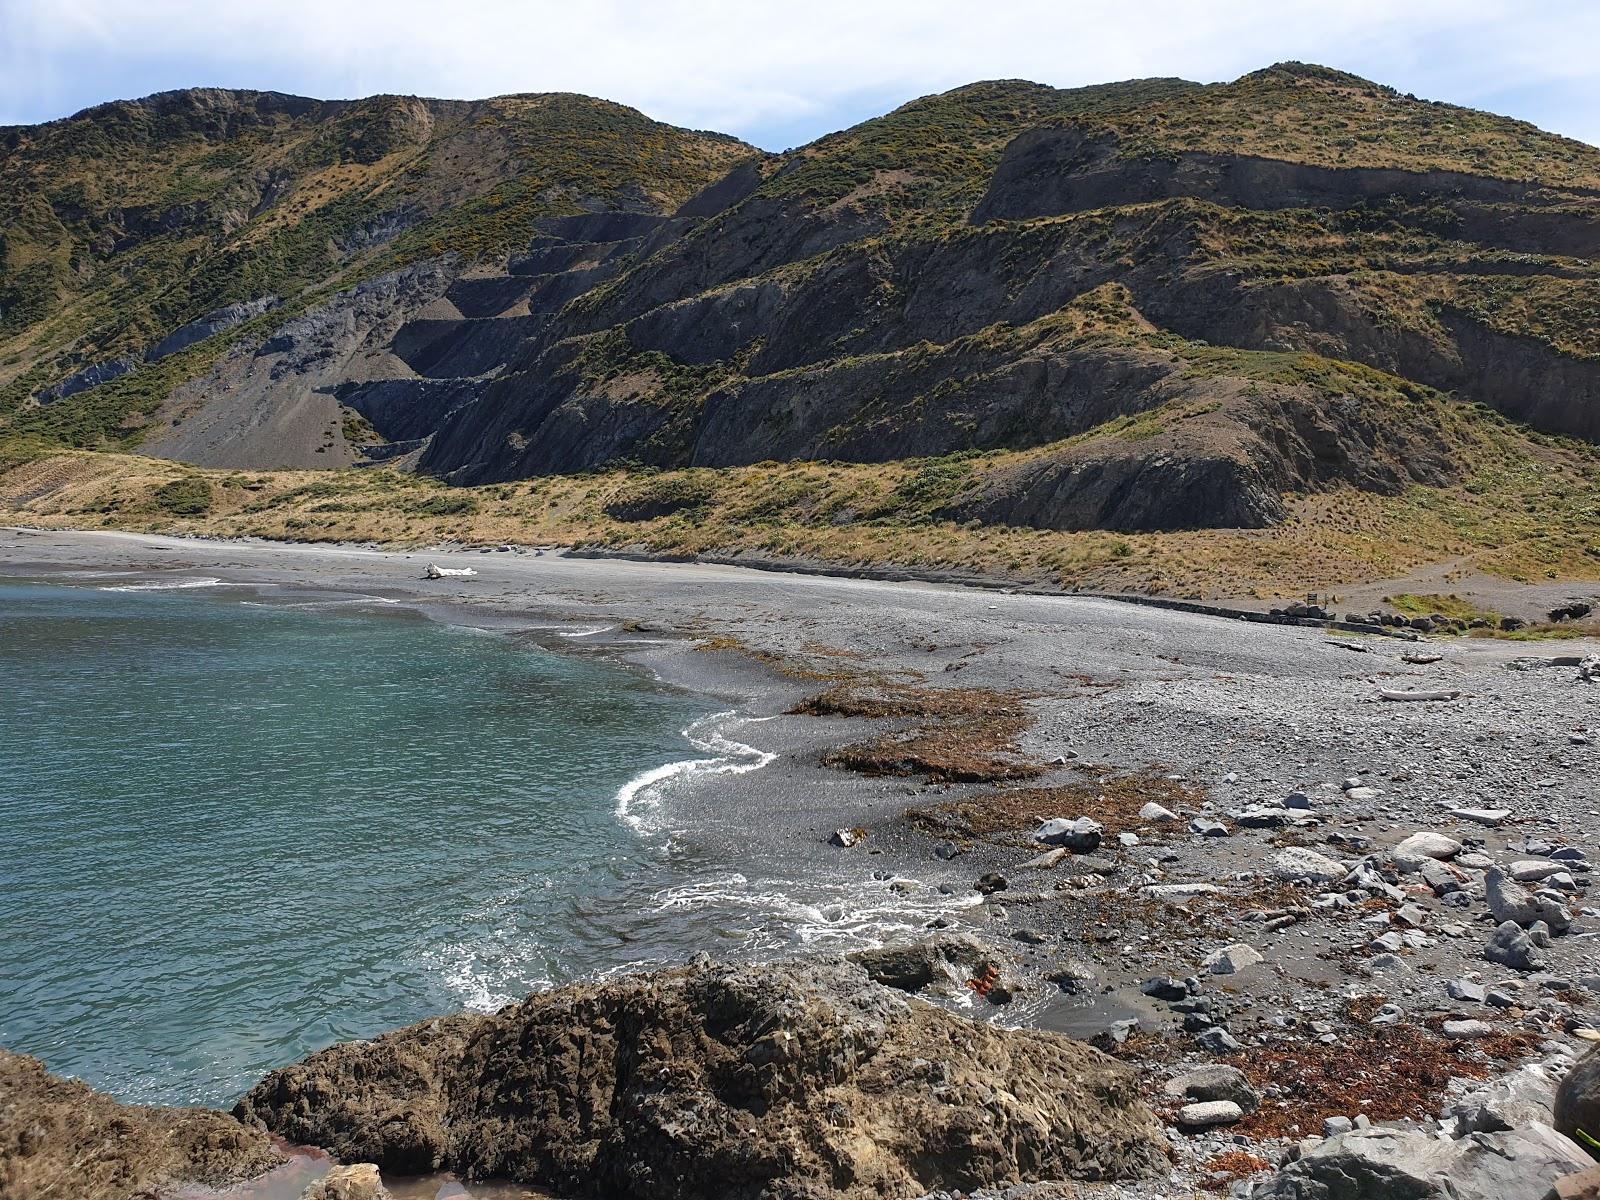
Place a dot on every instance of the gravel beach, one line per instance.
(1283, 901)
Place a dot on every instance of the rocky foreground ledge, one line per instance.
(837, 1078)
(823, 1078)
(793, 1080)
(61, 1139)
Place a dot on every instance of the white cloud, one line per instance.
(766, 70)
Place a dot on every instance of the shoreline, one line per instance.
(580, 624)
(1516, 597)
(778, 864)
(1219, 717)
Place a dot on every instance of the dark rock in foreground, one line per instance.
(792, 1080)
(61, 1138)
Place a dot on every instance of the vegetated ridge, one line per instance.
(1140, 307)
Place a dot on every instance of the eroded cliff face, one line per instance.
(130, 225)
(780, 331)
(1073, 168)
(274, 403)
(1225, 461)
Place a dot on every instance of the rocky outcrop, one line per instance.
(1129, 493)
(218, 321)
(797, 1080)
(1405, 1163)
(60, 1138)
(453, 348)
(1577, 1100)
(1526, 378)
(948, 965)
(407, 352)
(1225, 461)
(1074, 168)
(91, 376)
(358, 1182)
(406, 410)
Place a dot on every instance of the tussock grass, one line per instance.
(1523, 518)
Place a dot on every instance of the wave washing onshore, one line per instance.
(639, 800)
(162, 585)
(323, 722)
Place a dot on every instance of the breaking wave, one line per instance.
(162, 585)
(777, 916)
(639, 800)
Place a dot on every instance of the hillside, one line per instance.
(1138, 307)
(1006, 268)
(149, 231)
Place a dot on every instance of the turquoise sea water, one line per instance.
(232, 833)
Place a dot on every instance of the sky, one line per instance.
(778, 74)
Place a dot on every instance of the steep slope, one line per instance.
(1178, 304)
(139, 239)
(919, 285)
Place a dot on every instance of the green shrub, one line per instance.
(647, 499)
(188, 497)
(445, 506)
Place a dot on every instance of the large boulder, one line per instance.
(1389, 1163)
(1081, 836)
(952, 964)
(1427, 844)
(1510, 901)
(61, 1138)
(359, 1181)
(1510, 946)
(1299, 862)
(1213, 1081)
(1577, 1103)
(782, 1081)
(1512, 1101)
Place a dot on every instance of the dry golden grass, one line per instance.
(1522, 519)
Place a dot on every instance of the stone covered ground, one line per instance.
(1299, 907)
(1329, 895)
(1300, 898)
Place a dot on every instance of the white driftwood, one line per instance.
(1385, 694)
(1420, 659)
(1046, 860)
(435, 572)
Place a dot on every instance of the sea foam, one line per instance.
(639, 800)
(162, 585)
